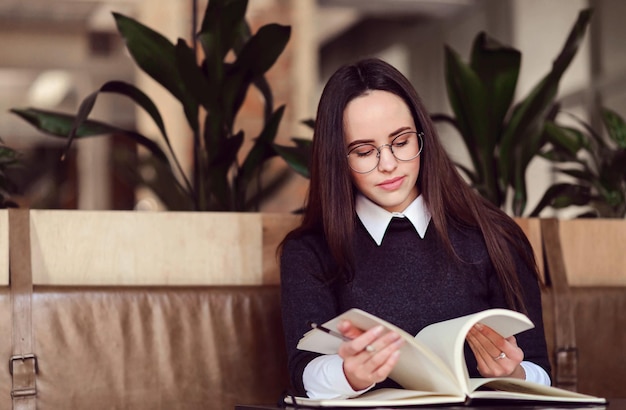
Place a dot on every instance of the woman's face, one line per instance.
(377, 118)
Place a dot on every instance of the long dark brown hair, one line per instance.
(330, 204)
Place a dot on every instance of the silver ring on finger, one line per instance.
(370, 348)
(502, 355)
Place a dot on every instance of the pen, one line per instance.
(329, 331)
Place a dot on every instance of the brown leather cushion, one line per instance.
(600, 317)
(153, 348)
(600, 323)
(214, 347)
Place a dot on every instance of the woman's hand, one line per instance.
(370, 356)
(496, 356)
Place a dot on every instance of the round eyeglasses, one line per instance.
(364, 158)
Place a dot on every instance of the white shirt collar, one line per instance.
(376, 219)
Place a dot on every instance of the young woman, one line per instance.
(390, 227)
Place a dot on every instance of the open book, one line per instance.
(432, 368)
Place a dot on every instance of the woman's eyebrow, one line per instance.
(398, 131)
(371, 141)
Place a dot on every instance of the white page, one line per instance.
(417, 368)
(446, 339)
(522, 390)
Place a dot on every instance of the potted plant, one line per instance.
(595, 162)
(501, 137)
(210, 83)
(211, 93)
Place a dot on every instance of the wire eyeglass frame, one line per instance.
(420, 136)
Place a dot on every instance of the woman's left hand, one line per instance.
(496, 356)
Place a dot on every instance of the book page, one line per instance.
(417, 369)
(446, 339)
(517, 389)
(383, 397)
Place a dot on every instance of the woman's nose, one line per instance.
(386, 160)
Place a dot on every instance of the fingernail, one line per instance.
(342, 324)
(478, 326)
(378, 330)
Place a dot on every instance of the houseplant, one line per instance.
(211, 93)
(595, 162)
(9, 158)
(501, 137)
(298, 156)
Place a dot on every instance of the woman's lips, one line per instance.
(391, 184)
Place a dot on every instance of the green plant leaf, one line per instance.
(8, 157)
(192, 77)
(600, 167)
(469, 173)
(262, 50)
(263, 86)
(467, 97)
(141, 99)
(298, 157)
(446, 119)
(161, 180)
(613, 171)
(565, 139)
(137, 96)
(303, 142)
(261, 151)
(522, 135)
(615, 126)
(561, 196)
(271, 186)
(580, 174)
(498, 67)
(217, 175)
(255, 58)
(221, 26)
(596, 143)
(156, 56)
(59, 125)
(309, 123)
(212, 65)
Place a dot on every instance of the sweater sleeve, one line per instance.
(306, 297)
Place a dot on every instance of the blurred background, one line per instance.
(56, 52)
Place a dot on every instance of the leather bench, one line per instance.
(199, 347)
(152, 347)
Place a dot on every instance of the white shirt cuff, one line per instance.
(536, 373)
(324, 378)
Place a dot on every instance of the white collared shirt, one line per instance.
(377, 219)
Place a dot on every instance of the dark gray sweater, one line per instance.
(408, 281)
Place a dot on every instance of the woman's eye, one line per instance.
(363, 151)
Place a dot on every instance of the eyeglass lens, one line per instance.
(365, 157)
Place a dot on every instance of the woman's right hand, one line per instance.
(370, 356)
